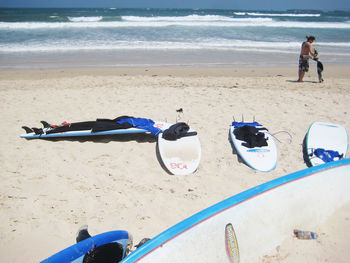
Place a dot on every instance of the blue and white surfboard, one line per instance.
(252, 223)
(325, 142)
(45, 135)
(262, 158)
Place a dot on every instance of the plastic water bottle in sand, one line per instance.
(300, 234)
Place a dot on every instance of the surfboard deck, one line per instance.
(32, 135)
(76, 252)
(248, 225)
(182, 156)
(327, 136)
(263, 158)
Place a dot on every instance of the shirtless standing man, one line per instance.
(306, 51)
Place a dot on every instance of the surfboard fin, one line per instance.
(38, 131)
(45, 124)
(311, 152)
(179, 116)
(27, 129)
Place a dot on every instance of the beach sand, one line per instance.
(49, 188)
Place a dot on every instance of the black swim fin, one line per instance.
(45, 124)
(27, 129)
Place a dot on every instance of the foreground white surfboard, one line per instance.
(327, 136)
(263, 158)
(181, 156)
(252, 223)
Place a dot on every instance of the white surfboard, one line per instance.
(263, 158)
(248, 225)
(182, 156)
(326, 136)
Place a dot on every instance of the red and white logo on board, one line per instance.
(180, 166)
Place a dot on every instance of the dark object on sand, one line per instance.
(319, 70)
(319, 67)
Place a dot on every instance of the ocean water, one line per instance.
(48, 37)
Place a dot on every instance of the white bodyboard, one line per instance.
(181, 156)
(325, 136)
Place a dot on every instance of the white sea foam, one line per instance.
(85, 19)
(161, 22)
(192, 18)
(334, 44)
(239, 13)
(275, 15)
(214, 43)
(289, 15)
(164, 21)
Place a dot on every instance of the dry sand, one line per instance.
(50, 188)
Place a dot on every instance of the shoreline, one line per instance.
(175, 71)
(160, 58)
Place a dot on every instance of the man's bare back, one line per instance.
(306, 48)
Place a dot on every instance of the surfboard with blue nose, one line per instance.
(325, 138)
(261, 158)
